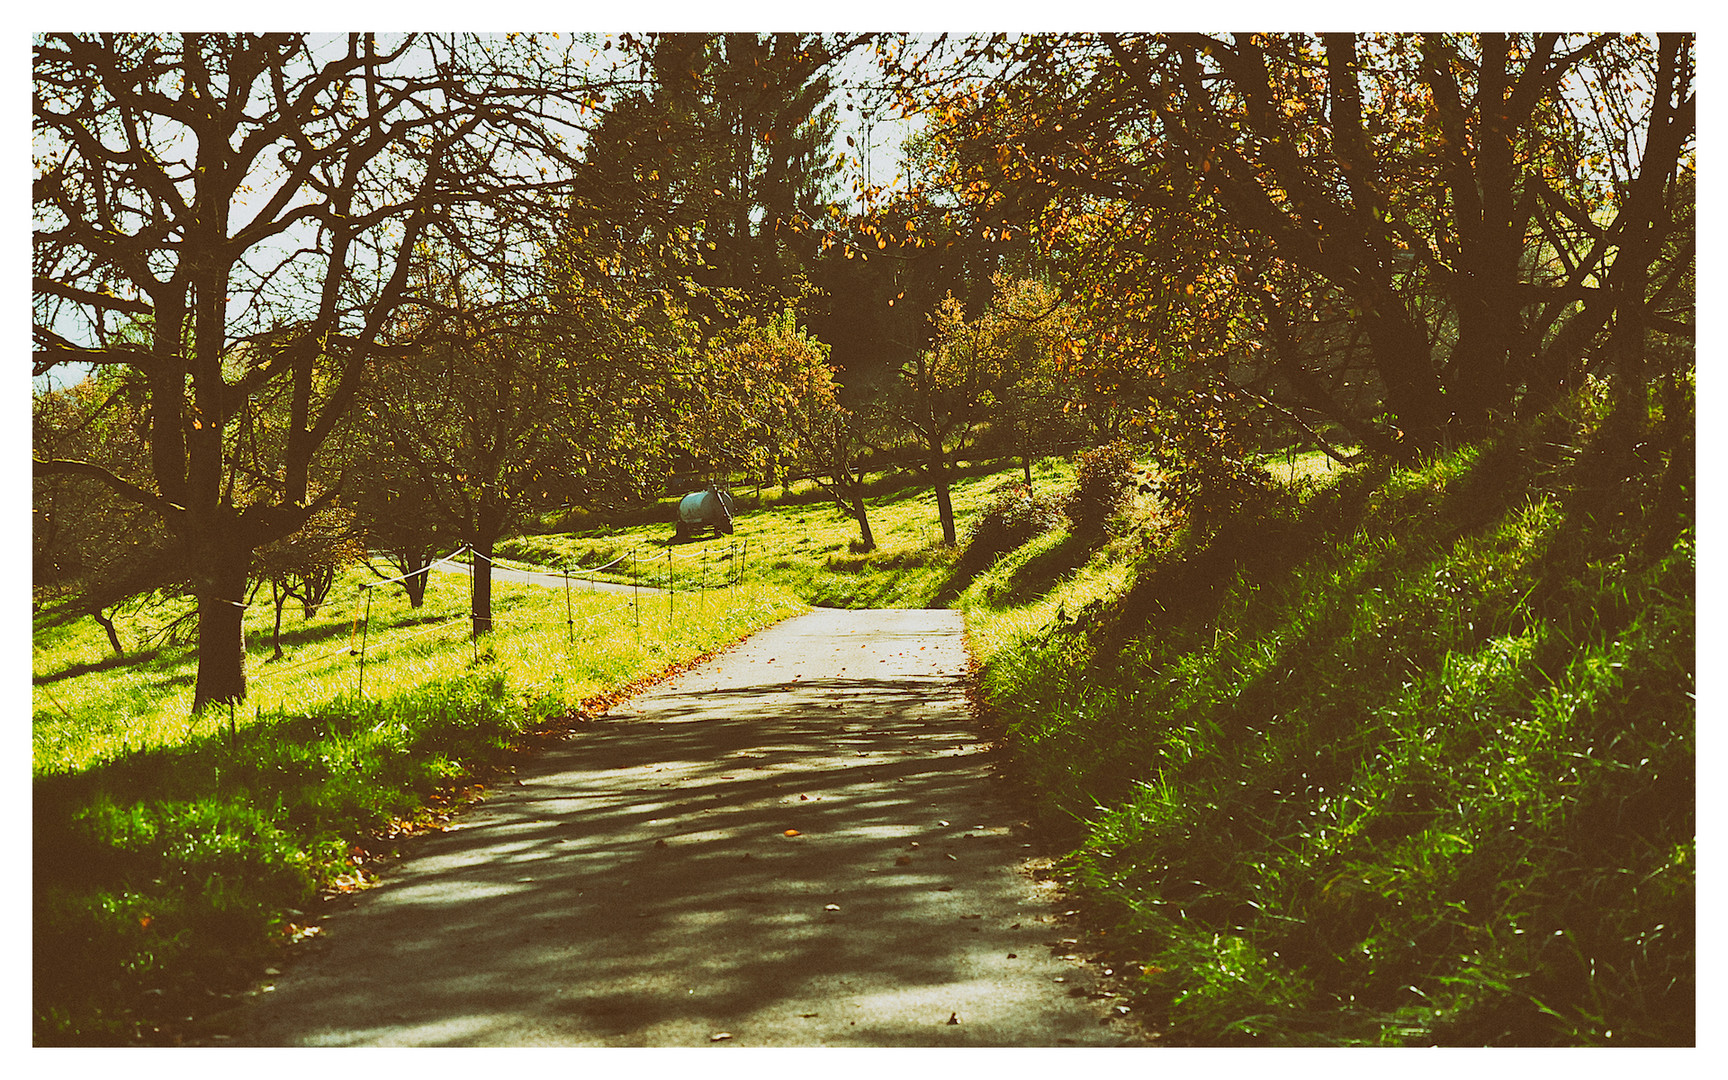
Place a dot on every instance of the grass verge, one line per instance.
(1407, 758)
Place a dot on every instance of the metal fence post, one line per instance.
(365, 628)
(569, 615)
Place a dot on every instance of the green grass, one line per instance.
(171, 854)
(1405, 759)
(796, 536)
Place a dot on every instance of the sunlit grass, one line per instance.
(173, 852)
(798, 537)
(89, 706)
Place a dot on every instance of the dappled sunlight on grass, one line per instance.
(1408, 759)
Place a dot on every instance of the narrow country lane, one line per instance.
(800, 843)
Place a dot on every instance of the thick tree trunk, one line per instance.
(482, 598)
(1406, 363)
(221, 590)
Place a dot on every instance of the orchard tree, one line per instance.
(511, 405)
(86, 550)
(303, 565)
(252, 201)
(1490, 214)
(834, 443)
(975, 372)
(393, 511)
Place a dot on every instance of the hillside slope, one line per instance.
(1406, 758)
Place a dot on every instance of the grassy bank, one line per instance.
(171, 856)
(1405, 757)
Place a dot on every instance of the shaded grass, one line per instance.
(1408, 758)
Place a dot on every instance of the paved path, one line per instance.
(799, 843)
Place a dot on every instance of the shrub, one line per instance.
(1207, 458)
(1015, 515)
(1102, 479)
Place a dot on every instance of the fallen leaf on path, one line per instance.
(792, 832)
(720, 1036)
(831, 907)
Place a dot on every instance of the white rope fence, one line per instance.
(735, 554)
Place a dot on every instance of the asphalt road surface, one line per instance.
(799, 843)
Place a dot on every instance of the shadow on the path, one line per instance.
(674, 865)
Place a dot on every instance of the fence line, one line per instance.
(735, 553)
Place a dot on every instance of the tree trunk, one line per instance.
(1406, 363)
(865, 536)
(278, 597)
(939, 480)
(488, 526)
(482, 598)
(106, 622)
(220, 590)
(416, 570)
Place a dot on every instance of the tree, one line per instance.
(974, 368)
(512, 403)
(754, 383)
(83, 548)
(1486, 210)
(395, 512)
(252, 200)
(303, 565)
(772, 402)
(727, 146)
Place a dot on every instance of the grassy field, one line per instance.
(799, 538)
(1401, 756)
(172, 855)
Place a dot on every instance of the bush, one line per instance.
(1102, 479)
(1015, 515)
(1206, 454)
